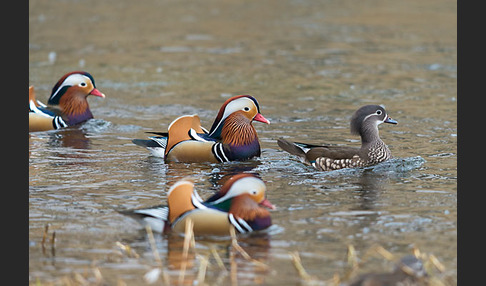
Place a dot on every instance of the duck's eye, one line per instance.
(378, 112)
(246, 108)
(254, 192)
(83, 84)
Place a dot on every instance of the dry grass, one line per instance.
(211, 259)
(45, 241)
(153, 275)
(432, 266)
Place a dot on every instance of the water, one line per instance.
(310, 64)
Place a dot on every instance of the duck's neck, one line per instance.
(238, 131)
(369, 135)
(75, 109)
(79, 118)
(244, 207)
(373, 147)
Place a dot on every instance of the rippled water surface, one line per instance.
(310, 64)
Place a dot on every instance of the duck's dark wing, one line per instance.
(312, 151)
(162, 134)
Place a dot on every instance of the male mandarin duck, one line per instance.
(239, 203)
(67, 105)
(364, 123)
(232, 136)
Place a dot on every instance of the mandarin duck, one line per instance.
(364, 123)
(240, 203)
(232, 136)
(67, 105)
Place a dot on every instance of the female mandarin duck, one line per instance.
(232, 136)
(373, 150)
(238, 203)
(67, 104)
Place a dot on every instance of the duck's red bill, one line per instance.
(260, 118)
(96, 92)
(266, 203)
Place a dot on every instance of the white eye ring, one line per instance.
(254, 192)
(246, 108)
(83, 84)
(378, 112)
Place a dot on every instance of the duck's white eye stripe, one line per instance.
(71, 80)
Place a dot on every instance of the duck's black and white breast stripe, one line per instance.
(218, 152)
(240, 224)
(58, 122)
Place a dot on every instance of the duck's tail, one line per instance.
(155, 217)
(290, 147)
(156, 145)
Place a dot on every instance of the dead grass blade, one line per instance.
(300, 268)
(385, 253)
(218, 259)
(97, 275)
(153, 245)
(352, 261)
(44, 238)
(53, 244)
(233, 268)
(352, 258)
(188, 238)
(203, 265)
(237, 247)
(438, 265)
(130, 252)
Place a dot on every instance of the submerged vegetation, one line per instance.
(197, 257)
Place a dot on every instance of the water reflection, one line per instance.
(222, 173)
(371, 186)
(71, 137)
(226, 263)
(66, 146)
(215, 173)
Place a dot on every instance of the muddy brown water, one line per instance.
(310, 64)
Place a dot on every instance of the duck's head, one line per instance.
(366, 119)
(71, 90)
(245, 106)
(242, 184)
